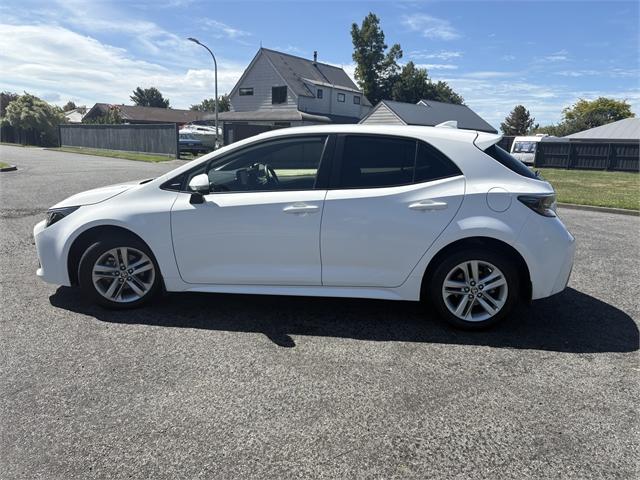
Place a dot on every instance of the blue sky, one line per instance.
(542, 54)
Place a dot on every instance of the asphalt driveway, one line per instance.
(228, 386)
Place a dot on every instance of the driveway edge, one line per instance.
(592, 208)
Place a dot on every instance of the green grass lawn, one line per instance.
(602, 189)
(3, 165)
(142, 157)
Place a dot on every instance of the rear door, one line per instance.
(391, 197)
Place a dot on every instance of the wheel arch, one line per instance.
(92, 235)
(485, 242)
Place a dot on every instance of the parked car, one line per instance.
(190, 144)
(204, 133)
(387, 212)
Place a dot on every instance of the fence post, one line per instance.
(611, 158)
(177, 141)
(571, 155)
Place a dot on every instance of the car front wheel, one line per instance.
(475, 288)
(119, 273)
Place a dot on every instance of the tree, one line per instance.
(111, 117)
(5, 99)
(518, 122)
(208, 104)
(586, 114)
(35, 120)
(376, 71)
(149, 97)
(69, 106)
(413, 84)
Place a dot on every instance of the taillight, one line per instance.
(544, 205)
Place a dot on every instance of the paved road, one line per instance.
(223, 386)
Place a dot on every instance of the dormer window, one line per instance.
(278, 95)
(341, 97)
(356, 100)
(319, 93)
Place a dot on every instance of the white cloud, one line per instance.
(49, 60)
(508, 58)
(558, 56)
(437, 66)
(442, 55)
(218, 29)
(431, 27)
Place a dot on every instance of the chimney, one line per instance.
(315, 57)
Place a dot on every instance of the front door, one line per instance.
(394, 198)
(260, 225)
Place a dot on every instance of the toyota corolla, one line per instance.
(398, 213)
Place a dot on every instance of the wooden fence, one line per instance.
(624, 157)
(152, 138)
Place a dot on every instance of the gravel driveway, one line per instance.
(238, 386)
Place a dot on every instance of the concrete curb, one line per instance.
(591, 208)
(10, 168)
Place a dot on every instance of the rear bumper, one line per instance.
(52, 265)
(549, 251)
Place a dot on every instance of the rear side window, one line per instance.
(508, 161)
(431, 164)
(376, 162)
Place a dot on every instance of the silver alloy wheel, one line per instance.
(475, 290)
(123, 274)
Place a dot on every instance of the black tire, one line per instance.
(434, 287)
(97, 250)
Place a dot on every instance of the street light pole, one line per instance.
(215, 66)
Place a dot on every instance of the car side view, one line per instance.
(398, 213)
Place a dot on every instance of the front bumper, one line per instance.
(549, 251)
(49, 248)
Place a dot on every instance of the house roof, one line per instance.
(430, 113)
(626, 129)
(272, 115)
(148, 114)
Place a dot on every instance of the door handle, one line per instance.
(300, 208)
(428, 205)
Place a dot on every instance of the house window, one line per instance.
(356, 99)
(278, 95)
(244, 92)
(319, 94)
(341, 97)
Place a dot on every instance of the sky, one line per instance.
(496, 54)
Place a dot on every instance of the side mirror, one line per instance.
(199, 185)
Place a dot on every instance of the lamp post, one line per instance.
(215, 66)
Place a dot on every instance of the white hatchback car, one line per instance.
(396, 213)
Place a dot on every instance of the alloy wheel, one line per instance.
(123, 274)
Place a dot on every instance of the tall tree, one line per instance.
(209, 104)
(376, 69)
(149, 97)
(586, 114)
(413, 84)
(5, 99)
(35, 120)
(69, 106)
(518, 122)
(111, 117)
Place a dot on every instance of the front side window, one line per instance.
(286, 164)
(245, 91)
(369, 161)
(341, 97)
(356, 99)
(319, 93)
(278, 95)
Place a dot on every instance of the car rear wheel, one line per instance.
(474, 289)
(119, 273)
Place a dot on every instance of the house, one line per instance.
(281, 90)
(625, 130)
(75, 115)
(136, 114)
(426, 112)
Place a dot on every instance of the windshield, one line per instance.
(524, 147)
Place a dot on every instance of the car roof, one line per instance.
(414, 131)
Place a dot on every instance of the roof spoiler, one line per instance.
(484, 140)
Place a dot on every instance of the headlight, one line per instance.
(544, 205)
(56, 214)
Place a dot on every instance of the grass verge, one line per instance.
(141, 157)
(600, 189)
(4, 165)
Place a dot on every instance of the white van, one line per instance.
(524, 148)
